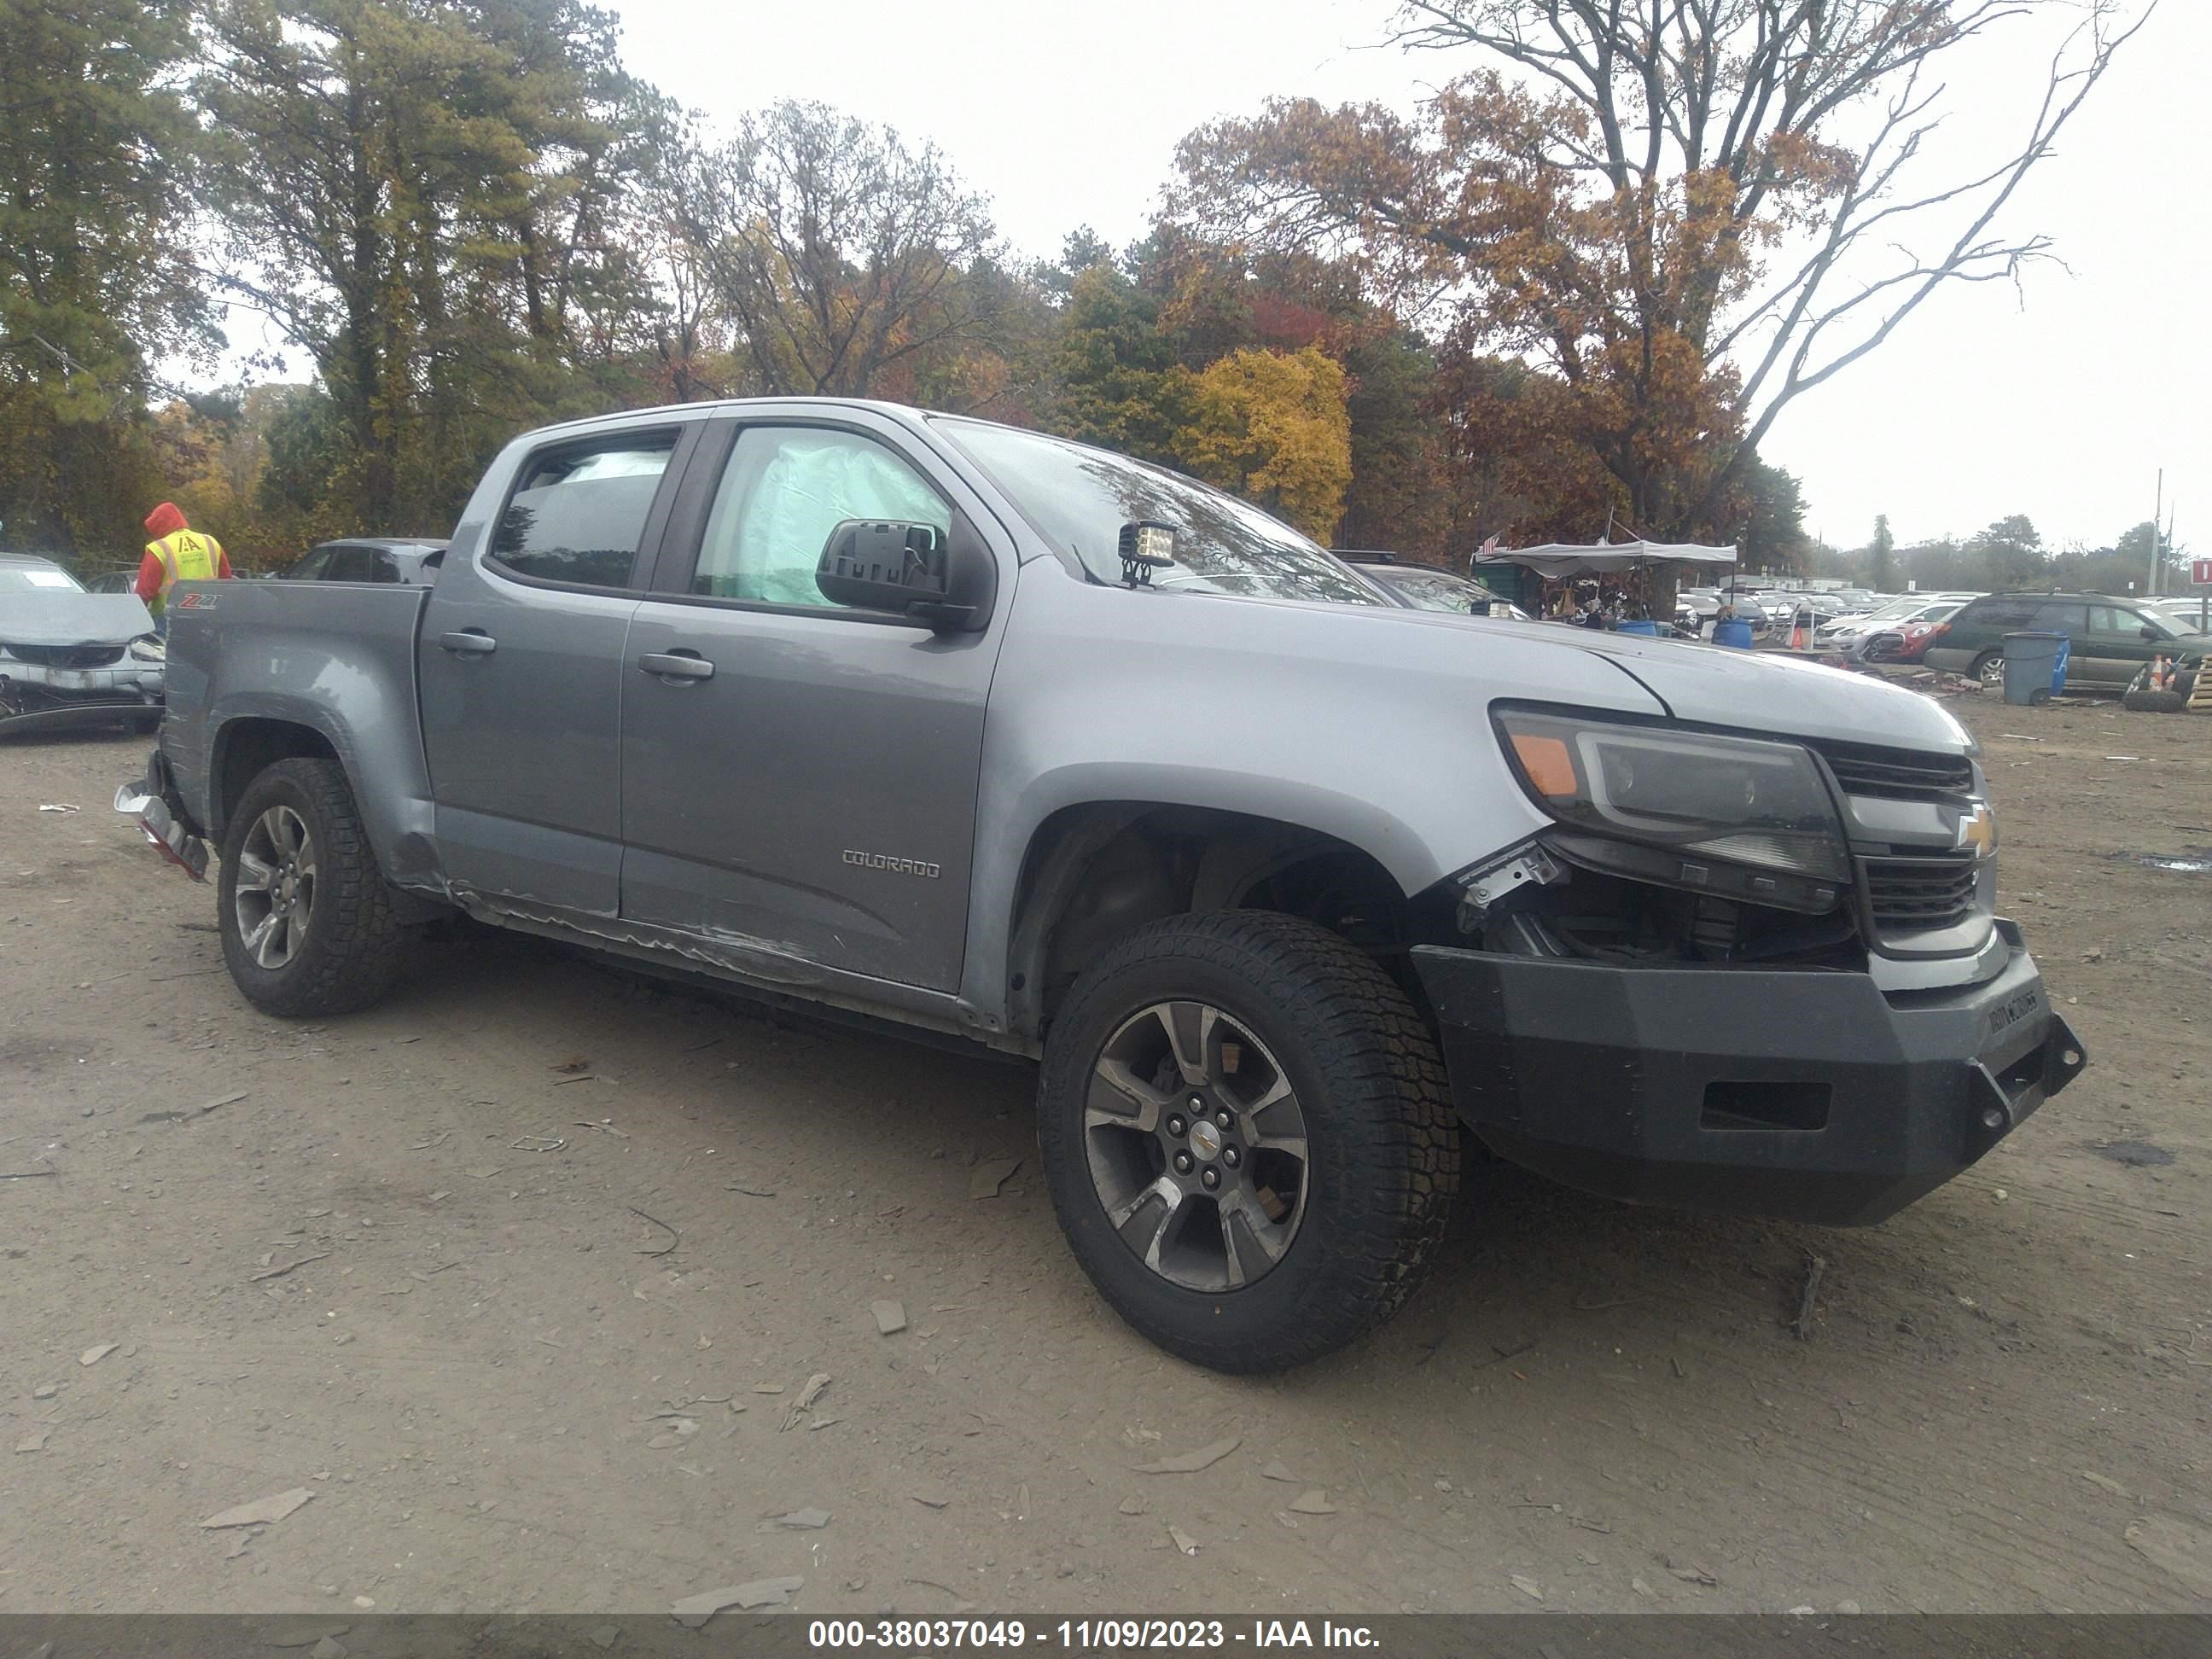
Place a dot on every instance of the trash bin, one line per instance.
(1649, 630)
(1735, 632)
(2030, 664)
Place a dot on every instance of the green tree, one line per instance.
(2010, 551)
(1117, 381)
(423, 197)
(1773, 534)
(1881, 556)
(97, 148)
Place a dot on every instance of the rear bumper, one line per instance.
(1808, 1095)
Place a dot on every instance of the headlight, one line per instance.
(1690, 802)
(149, 651)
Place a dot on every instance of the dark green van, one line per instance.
(2112, 638)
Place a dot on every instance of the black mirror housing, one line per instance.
(910, 569)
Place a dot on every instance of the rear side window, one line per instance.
(2063, 618)
(578, 513)
(2000, 614)
(311, 569)
(352, 564)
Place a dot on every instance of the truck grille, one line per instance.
(1897, 774)
(67, 656)
(1919, 896)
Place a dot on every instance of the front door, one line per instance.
(521, 663)
(798, 778)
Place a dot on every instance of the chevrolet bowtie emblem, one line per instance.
(1978, 829)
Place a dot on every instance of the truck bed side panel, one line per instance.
(336, 658)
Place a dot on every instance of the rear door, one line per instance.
(2111, 649)
(521, 660)
(801, 778)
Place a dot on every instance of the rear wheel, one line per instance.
(1248, 1137)
(307, 918)
(1989, 669)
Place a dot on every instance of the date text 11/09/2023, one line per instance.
(1086, 1635)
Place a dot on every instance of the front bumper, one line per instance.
(1809, 1095)
(36, 698)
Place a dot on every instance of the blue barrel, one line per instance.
(1649, 630)
(1736, 633)
(2032, 666)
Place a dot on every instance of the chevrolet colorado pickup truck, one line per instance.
(1291, 891)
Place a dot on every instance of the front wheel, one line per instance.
(1248, 1137)
(306, 916)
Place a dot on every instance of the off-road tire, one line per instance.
(2153, 702)
(354, 944)
(1383, 1143)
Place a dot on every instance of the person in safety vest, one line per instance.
(178, 553)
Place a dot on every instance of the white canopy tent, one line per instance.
(1556, 560)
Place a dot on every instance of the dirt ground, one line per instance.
(538, 1340)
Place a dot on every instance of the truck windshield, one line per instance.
(1079, 498)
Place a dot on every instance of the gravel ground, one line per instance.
(525, 1274)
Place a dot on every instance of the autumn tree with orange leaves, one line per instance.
(1679, 216)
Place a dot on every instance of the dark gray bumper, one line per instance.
(1809, 1096)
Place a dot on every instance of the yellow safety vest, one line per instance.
(186, 557)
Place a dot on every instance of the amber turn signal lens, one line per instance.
(1550, 768)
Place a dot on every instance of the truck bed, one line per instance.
(337, 657)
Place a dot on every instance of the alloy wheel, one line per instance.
(273, 895)
(1196, 1145)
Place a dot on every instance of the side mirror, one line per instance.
(910, 569)
(2150, 633)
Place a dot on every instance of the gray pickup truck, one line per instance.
(1291, 890)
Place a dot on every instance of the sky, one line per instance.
(2061, 402)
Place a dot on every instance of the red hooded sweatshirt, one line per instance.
(166, 520)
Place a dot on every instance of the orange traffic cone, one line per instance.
(1797, 640)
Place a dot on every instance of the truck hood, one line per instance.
(71, 619)
(1708, 685)
(1716, 686)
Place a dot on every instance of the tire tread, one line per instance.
(1392, 1117)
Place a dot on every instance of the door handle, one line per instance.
(677, 665)
(468, 643)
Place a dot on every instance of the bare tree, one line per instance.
(833, 250)
(1695, 210)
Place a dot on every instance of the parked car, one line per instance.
(370, 559)
(71, 658)
(1919, 607)
(1704, 603)
(991, 735)
(1898, 643)
(2109, 639)
(1424, 588)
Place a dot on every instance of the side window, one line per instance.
(578, 513)
(2063, 618)
(1998, 614)
(382, 566)
(349, 564)
(2110, 619)
(785, 490)
(310, 568)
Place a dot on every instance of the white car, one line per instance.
(1846, 630)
